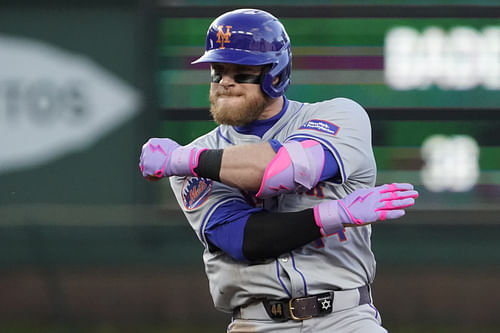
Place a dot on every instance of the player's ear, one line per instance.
(267, 68)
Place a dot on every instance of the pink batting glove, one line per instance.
(163, 157)
(364, 206)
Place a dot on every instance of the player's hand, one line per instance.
(379, 203)
(163, 157)
(365, 206)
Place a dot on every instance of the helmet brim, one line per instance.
(232, 56)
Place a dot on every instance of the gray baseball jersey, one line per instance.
(339, 261)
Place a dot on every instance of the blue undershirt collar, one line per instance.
(260, 127)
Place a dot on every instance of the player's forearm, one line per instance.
(240, 166)
(268, 235)
(251, 234)
(254, 167)
(258, 168)
(243, 166)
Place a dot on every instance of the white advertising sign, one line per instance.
(53, 102)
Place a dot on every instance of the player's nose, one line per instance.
(227, 80)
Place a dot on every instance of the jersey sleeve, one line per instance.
(342, 126)
(226, 227)
(207, 205)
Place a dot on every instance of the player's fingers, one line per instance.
(404, 203)
(396, 204)
(407, 194)
(399, 195)
(150, 169)
(390, 214)
(141, 161)
(396, 187)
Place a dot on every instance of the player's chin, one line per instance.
(230, 118)
(231, 121)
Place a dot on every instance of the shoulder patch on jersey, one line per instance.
(321, 126)
(195, 191)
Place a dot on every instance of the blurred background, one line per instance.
(87, 245)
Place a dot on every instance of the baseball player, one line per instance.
(282, 193)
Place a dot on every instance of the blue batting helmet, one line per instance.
(251, 37)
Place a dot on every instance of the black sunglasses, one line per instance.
(216, 76)
(238, 78)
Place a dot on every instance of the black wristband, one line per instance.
(209, 164)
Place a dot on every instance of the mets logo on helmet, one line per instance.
(223, 37)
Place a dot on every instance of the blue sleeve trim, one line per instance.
(331, 168)
(226, 227)
(275, 144)
(201, 231)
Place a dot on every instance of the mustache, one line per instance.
(228, 93)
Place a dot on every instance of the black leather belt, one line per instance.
(302, 308)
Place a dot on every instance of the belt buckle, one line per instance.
(291, 308)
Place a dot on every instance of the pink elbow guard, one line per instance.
(297, 167)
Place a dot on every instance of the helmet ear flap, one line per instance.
(280, 69)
